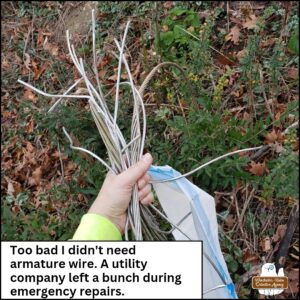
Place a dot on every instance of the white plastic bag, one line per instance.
(193, 211)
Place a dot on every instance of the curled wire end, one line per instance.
(87, 151)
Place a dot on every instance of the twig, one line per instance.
(61, 164)
(265, 96)
(227, 13)
(246, 204)
(286, 241)
(261, 152)
(26, 41)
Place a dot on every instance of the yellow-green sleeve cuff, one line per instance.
(96, 227)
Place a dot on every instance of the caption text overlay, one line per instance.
(93, 270)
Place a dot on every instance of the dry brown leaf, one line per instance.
(168, 4)
(37, 175)
(270, 137)
(280, 232)
(293, 276)
(104, 61)
(258, 169)
(102, 73)
(29, 95)
(15, 209)
(10, 189)
(241, 54)
(235, 20)
(30, 126)
(233, 35)
(51, 48)
(293, 73)
(137, 70)
(5, 64)
(224, 60)
(269, 42)
(113, 77)
(250, 22)
(230, 221)
(277, 147)
(29, 146)
(250, 257)
(165, 28)
(39, 71)
(27, 61)
(274, 136)
(265, 244)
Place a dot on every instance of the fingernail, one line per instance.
(147, 158)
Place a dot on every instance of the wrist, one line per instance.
(117, 221)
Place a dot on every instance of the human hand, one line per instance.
(115, 194)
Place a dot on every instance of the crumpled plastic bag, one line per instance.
(193, 211)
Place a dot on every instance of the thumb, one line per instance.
(135, 172)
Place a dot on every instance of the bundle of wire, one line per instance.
(140, 219)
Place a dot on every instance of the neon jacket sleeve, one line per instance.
(96, 227)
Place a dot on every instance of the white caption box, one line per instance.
(94, 270)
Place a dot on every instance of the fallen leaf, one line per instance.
(241, 54)
(124, 76)
(258, 169)
(104, 61)
(224, 60)
(137, 68)
(165, 28)
(40, 38)
(102, 73)
(233, 35)
(250, 22)
(182, 103)
(37, 175)
(265, 244)
(274, 136)
(29, 146)
(230, 221)
(277, 147)
(10, 189)
(293, 73)
(15, 209)
(280, 232)
(5, 64)
(39, 71)
(168, 4)
(270, 137)
(29, 95)
(269, 42)
(27, 61)
(293, 276)
(250, 257)
(235, 20)
(51, 48)
(30, 126)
